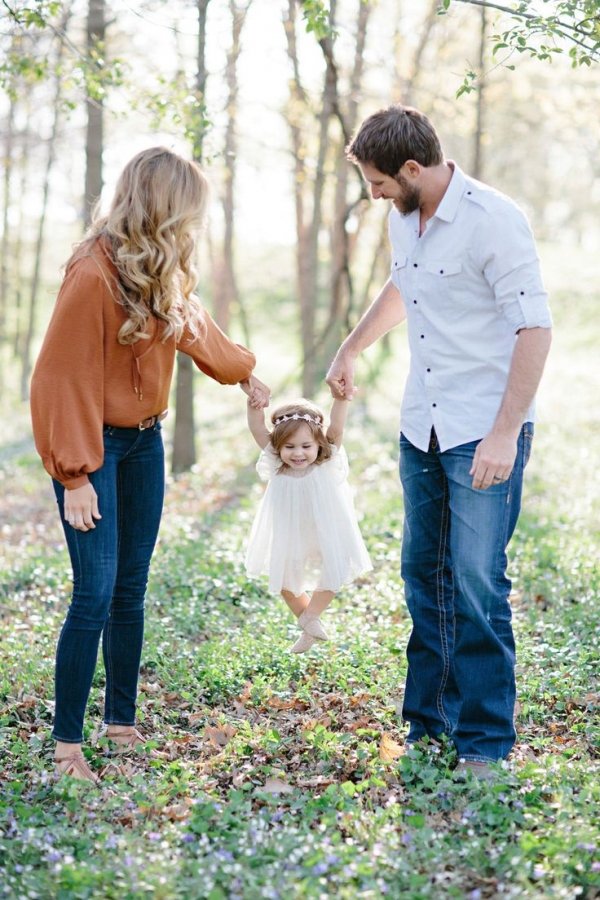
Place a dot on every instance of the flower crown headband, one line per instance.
(307, 418)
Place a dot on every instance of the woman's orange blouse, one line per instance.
(85, 379)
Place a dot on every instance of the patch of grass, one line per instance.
(268, 775)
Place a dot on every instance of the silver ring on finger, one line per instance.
(497, 478)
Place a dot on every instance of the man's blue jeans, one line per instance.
(461, 652)
(110, 573)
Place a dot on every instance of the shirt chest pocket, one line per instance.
(444, 287)
(398, 273)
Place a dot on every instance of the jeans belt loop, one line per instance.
(152, 420)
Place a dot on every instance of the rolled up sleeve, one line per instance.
(512, 269)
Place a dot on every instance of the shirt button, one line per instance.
(429, 370)
(416, 265)
(414, 301)
(422, 336)
(434, 404)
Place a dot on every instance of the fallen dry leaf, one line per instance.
(389, 749)
(277, 786)
(219, 737)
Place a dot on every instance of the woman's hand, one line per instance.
(259, 394)
(81, 507)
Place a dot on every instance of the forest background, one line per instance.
(287, 777)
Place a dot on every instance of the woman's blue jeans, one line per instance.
(110, 574)
(461, 652)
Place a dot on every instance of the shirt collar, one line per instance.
(449, 203)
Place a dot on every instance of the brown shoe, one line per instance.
(126, 737)
(75, 766)
(480, 770)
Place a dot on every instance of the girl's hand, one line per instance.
(81, 507)
(258, 393)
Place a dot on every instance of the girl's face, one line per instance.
(300, 450)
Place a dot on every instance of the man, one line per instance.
(465, 275)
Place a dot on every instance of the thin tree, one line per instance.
(94, 137)
(184, 443)
(477, 166)
(226, 290)
(39, 244)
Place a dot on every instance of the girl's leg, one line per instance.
(319, 602)
(296, 602)
(140, 492)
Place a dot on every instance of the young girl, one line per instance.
(99, 392)
(305, 533)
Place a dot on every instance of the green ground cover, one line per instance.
(266, 775)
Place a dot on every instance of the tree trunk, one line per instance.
(94, 138)
(184, 444)
(5, 249)
(477, 167)
(39, 246)
(226, 289)
(308, 228)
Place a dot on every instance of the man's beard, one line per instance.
(411, 199)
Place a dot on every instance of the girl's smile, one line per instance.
(300, 450)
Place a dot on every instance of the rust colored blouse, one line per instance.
(85, 379)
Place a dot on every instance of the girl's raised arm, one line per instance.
(337, 421)
(256, 424)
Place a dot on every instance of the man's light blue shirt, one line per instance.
(469, 283)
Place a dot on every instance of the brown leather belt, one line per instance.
(152, 420)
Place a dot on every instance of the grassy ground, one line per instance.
(271, 776)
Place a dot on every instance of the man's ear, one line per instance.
(412, 168)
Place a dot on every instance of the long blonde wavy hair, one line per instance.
(158, 206)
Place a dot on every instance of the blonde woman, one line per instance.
(99, 392)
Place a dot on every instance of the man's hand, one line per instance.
(259, 395)
(493, 460)
(81, 507)
(340, 378)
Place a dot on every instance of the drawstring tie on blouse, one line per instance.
(136, 376)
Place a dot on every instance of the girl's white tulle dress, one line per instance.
(305, 535)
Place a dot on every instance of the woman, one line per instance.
(98, 394)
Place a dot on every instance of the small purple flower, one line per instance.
(596, 867)
(111, 842)
(320, 868)
(407, 839)
(188, 838)
(54, 856)
(153, 835)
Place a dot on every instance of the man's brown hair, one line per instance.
(391, 136)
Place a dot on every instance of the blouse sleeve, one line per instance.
(215, 354)
(67, 386)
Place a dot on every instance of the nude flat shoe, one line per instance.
(312, 625)
(304, 643)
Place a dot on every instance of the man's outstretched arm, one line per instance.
(386, 311)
